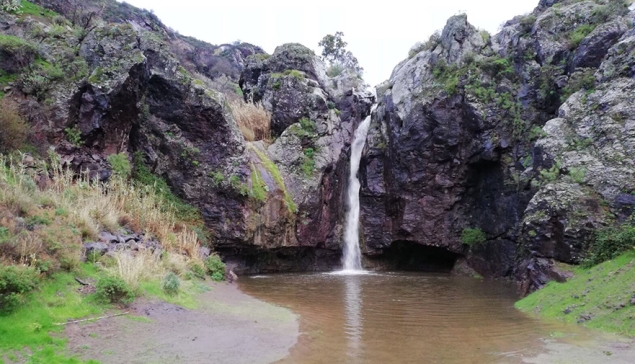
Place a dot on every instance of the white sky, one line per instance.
(378, 35)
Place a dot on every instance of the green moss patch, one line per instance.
(277, 176)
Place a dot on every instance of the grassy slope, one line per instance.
(30, 335)
(30, 331)
(597, 292)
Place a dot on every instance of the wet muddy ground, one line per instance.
(228, 327)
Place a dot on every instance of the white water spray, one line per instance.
(352, 252)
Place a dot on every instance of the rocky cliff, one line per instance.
(98, 78)
(507, 150)
(496, 154)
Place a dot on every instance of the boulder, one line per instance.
(96, 248)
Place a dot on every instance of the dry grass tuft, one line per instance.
(135, 269)
(253, 120)
(13, 129)
(69, 209)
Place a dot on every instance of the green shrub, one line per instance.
(15, 282)
(38, 79)
(486, 36)
(335, 70)
(497, 66)
(448, 75)
(74, 135)
(552, 173)
(218, 177)
(197, 270)
(4, 234)
(473, 236)
(527, 24)
(215, 268)
(308, 125)
(610, 243)
(536, 133)
(577, 174)
(120, 165)
(578, 35)
(259, 188)
(614, 8)
(579, 81)
(171, 284)
(308, 163)
(114, 290)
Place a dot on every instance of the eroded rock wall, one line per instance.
(471, 133)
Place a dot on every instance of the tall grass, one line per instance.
(137, 268)
(69, 209)
(253, 120)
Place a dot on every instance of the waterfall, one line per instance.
(352, 252)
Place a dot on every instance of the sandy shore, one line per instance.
(228, 327)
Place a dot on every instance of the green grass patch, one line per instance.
(578, 35)
(120, 164)
(31, 327)
(6, 77)
(258, 185)
(29, 8)
(277, 176)
(598, 297)
(186, 296)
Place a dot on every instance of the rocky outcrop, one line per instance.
(455, 145)
(266, 207)
(303, 168)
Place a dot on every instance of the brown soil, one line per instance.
(229, 327)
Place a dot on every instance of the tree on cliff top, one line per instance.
(339, 58)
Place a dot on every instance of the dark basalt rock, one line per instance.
(441, 161)
(593, 49)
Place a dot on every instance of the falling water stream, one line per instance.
(352, 254)
(356, 316)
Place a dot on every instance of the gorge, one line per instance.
(486, 168)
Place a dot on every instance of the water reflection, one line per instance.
(403, 318)
(354, 325)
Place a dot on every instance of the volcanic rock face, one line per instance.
(524, 139)
(458, 142)
(315, 123)
(151, 93)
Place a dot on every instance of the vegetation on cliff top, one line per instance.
(339, 58)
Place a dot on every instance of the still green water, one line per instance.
(420, 318)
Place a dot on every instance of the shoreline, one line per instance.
(228, 326)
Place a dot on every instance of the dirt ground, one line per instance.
(229, 327)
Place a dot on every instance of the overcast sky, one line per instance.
(380, 36)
